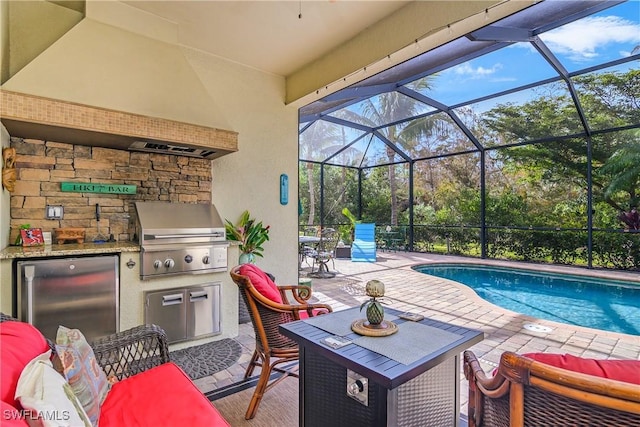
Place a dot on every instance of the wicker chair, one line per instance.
(272, 348)
(525, 392)
(126, 353)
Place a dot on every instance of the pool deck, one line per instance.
(449, 301)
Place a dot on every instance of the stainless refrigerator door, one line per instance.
(79, 293)
(203, 312)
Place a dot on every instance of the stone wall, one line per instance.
(43, 165)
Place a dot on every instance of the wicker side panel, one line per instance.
(549, 409)
(243, 310)
(496, 412)
(271, 321)
(326, 400)
(130, 352)
(6, 318)
(429, 399)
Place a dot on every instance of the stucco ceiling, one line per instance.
(278, 37)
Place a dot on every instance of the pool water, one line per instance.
(608, 305)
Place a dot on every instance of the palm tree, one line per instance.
(319, 136)
(390, 107)
(624, 169)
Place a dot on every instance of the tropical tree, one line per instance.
(392, 107)
(607, 98)
(623, 168)
(316, 141)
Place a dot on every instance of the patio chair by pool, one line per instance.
(307, 248)
(325, 252)
(363, 247)
(269, 307)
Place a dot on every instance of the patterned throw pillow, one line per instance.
(46, 397)
(87, 379)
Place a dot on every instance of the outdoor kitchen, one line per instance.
(166, 232)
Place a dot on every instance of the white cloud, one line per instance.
(504, 79)
(467, 69)
(582, 39)
(462, 69)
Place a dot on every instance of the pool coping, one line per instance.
(548, 268)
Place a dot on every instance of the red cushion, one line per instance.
(621, 370)
(11, 416)
(19, 343)
(316, 311)
(303, 314)
(161, 396)
(261, 282)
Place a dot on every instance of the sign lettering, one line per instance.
(92, 187)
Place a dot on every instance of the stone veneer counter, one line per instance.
(11, 252)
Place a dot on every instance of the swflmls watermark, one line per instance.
(28, 414)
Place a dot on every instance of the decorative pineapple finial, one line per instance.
(375, 288)
(375, 311)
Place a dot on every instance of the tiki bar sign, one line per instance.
(92, 187)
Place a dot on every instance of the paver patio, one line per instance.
(448, 301)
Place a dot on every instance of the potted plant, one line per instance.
(250, 233)
(352, 222)
(346, 235)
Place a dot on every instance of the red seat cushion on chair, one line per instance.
(161, 396)
(19, 343)
(261, 282)
(620, 370)
(316, 311)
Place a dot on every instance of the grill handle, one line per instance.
(180, 236)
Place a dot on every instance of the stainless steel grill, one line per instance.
(180, 238)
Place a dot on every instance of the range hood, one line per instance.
(178, 150)
(34, 117)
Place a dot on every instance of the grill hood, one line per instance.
(180, 238)
(181, 223)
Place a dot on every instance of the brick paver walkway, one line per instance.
(448, 301)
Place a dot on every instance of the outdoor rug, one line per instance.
(207, 359)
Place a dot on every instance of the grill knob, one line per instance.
(169, 263)
(188, 259)
(205, 259)
(157, 264)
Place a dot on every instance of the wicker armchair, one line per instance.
(272, 348)
(129, 352)
(525, 392)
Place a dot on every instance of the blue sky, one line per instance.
(602, 37)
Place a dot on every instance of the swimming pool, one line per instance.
(608, 305)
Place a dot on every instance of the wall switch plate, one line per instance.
(54, 212)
